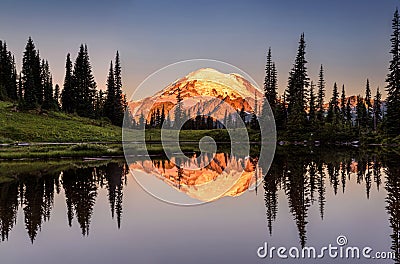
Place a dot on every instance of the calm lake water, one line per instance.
(71, 211)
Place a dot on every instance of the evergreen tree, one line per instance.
(361, 113)
(68, 95)
(333, 112)
(120, 103)
(254, 121)
(47, 83)
(84, 84)
(321, 94)
(242, 115)
(162, 117)
(57, 96)
(8, 74)
(99, 104)
(109, 105)
(142, 121)
(349, 117)
(178, 109)
(296, 92)
(270, 86)
(31, 80)
(311, 113)
(343, 105)
(377, 112)
(20, 89)
(368, 104)
(393, 80)
(269, 89)
(168, 121)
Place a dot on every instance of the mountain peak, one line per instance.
(230, 87)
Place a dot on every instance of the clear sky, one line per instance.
(351, 38)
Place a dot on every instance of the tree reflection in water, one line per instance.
(301, 173)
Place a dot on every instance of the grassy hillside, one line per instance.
(52, 127)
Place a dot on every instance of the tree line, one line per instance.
(33, 87)
(300, 112)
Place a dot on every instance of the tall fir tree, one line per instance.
(311, 113)
(334, 110)
(321, 94)
(84, 84)
(296, 93)
(270, 81)
(343, 106)
(8, 74)
(120, 100)
(57, 96)
(393, 80)
(47, 83)
(31, 79)
(254, 115)
(368, 104)
(99, 104)
(68, 95)
(178, 109)
(361, 113)
(109, 104)
(377, 111)
(270, 87)
(349, 116)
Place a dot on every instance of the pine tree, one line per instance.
(142, 121)
(162, 117)
(242, 115)
(31, 81)
(47, 83)
(368, 104)
(168, 121)
(349, 116)
(393, 80)
(8, 74)
(109, 105)
(254, 119)
(119, 103)
(361, 113)
(178, 109)
(57, 96)
(311, 113)
(270, 86)
(333, 112)
(343, 106)
(377, 112)
(321, 94)
(269, 90)
(3, 92)
(296, 92)
(20, 89)
(99, 104)
(84, 84)
(68, 95)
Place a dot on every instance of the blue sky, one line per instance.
(351, 38)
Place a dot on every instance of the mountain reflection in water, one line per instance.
(304, 177)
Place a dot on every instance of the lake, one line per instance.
(95, 211)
